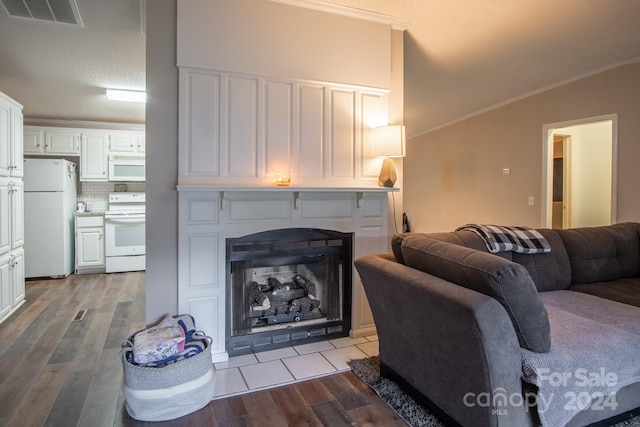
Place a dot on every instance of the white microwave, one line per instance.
(126, 168)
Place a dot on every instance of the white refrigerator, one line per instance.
(49, 205)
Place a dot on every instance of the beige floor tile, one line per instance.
(371, 348)
(314, 347)
(266, 374)
(229, 381)
(340, 356)
(347, 341)
(281, 353)
(236, 361)
(308, 365)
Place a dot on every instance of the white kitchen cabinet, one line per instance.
(33, 140)
(62, 142)
(93, 157)
(52, 141)
(12, 291)
(6, 302)
(90, 244)
(10, 137)
(5, 217)
(12, 288)
(126, 143)
(16, 213)
(16, 272)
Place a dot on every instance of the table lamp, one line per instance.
(389, 143)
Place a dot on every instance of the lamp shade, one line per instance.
(389, 141)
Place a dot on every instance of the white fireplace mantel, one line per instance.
(209, 215)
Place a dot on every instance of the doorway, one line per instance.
(579, 173)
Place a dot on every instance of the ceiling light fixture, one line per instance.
(126, 95)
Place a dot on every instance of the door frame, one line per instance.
(547, 164)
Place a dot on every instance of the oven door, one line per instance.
(124, 235)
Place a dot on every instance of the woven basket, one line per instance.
(167, 392)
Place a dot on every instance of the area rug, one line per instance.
(411, 411)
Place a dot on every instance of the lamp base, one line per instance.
(387, 177)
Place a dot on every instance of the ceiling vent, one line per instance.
(62, 11)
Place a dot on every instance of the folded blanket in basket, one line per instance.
(500, 238)
(159, 342)
(169, 346)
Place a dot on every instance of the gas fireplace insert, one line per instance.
(287, 287)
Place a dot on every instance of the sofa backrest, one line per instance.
(506, 281)
(600, 254)
(465, 238)
(550, 271)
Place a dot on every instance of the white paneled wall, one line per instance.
(237, 133)
(243, 129)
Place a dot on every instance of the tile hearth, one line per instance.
(243, 374)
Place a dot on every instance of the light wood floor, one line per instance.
(57, 371)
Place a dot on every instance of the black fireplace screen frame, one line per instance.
(284, 247)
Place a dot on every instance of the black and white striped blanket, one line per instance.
(500, 238)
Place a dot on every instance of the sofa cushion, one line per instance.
(550, 271)
(506, 281)
(625, 290)
(601, 254)
(464, 238)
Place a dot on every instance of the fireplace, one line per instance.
(287, 287)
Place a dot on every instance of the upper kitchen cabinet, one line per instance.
(51, 141)
(126, 143)
(10, 137)
(93, 144)
(93, 157)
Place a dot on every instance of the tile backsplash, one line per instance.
(96, 194)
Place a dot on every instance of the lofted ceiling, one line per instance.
(461, 56)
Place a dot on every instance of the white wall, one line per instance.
(591, 148)
(274, 39)
(453, 175)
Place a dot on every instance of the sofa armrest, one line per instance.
(456, 346)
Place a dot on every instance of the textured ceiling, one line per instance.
(60, 71)
(461, 56)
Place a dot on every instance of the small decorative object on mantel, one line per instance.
(389, 142)
(283, 180)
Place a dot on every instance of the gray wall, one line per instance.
(453, 175)
(162, 164)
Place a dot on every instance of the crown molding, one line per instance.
(348, 11)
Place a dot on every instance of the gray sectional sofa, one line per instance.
(512, 339)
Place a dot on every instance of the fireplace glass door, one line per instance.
(287, 286)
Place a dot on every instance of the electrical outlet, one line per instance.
(532, 200)
(506, 171)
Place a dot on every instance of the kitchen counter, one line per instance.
(90, 213)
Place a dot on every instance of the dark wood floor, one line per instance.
(57, 371)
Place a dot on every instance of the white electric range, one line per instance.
(124, 225)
